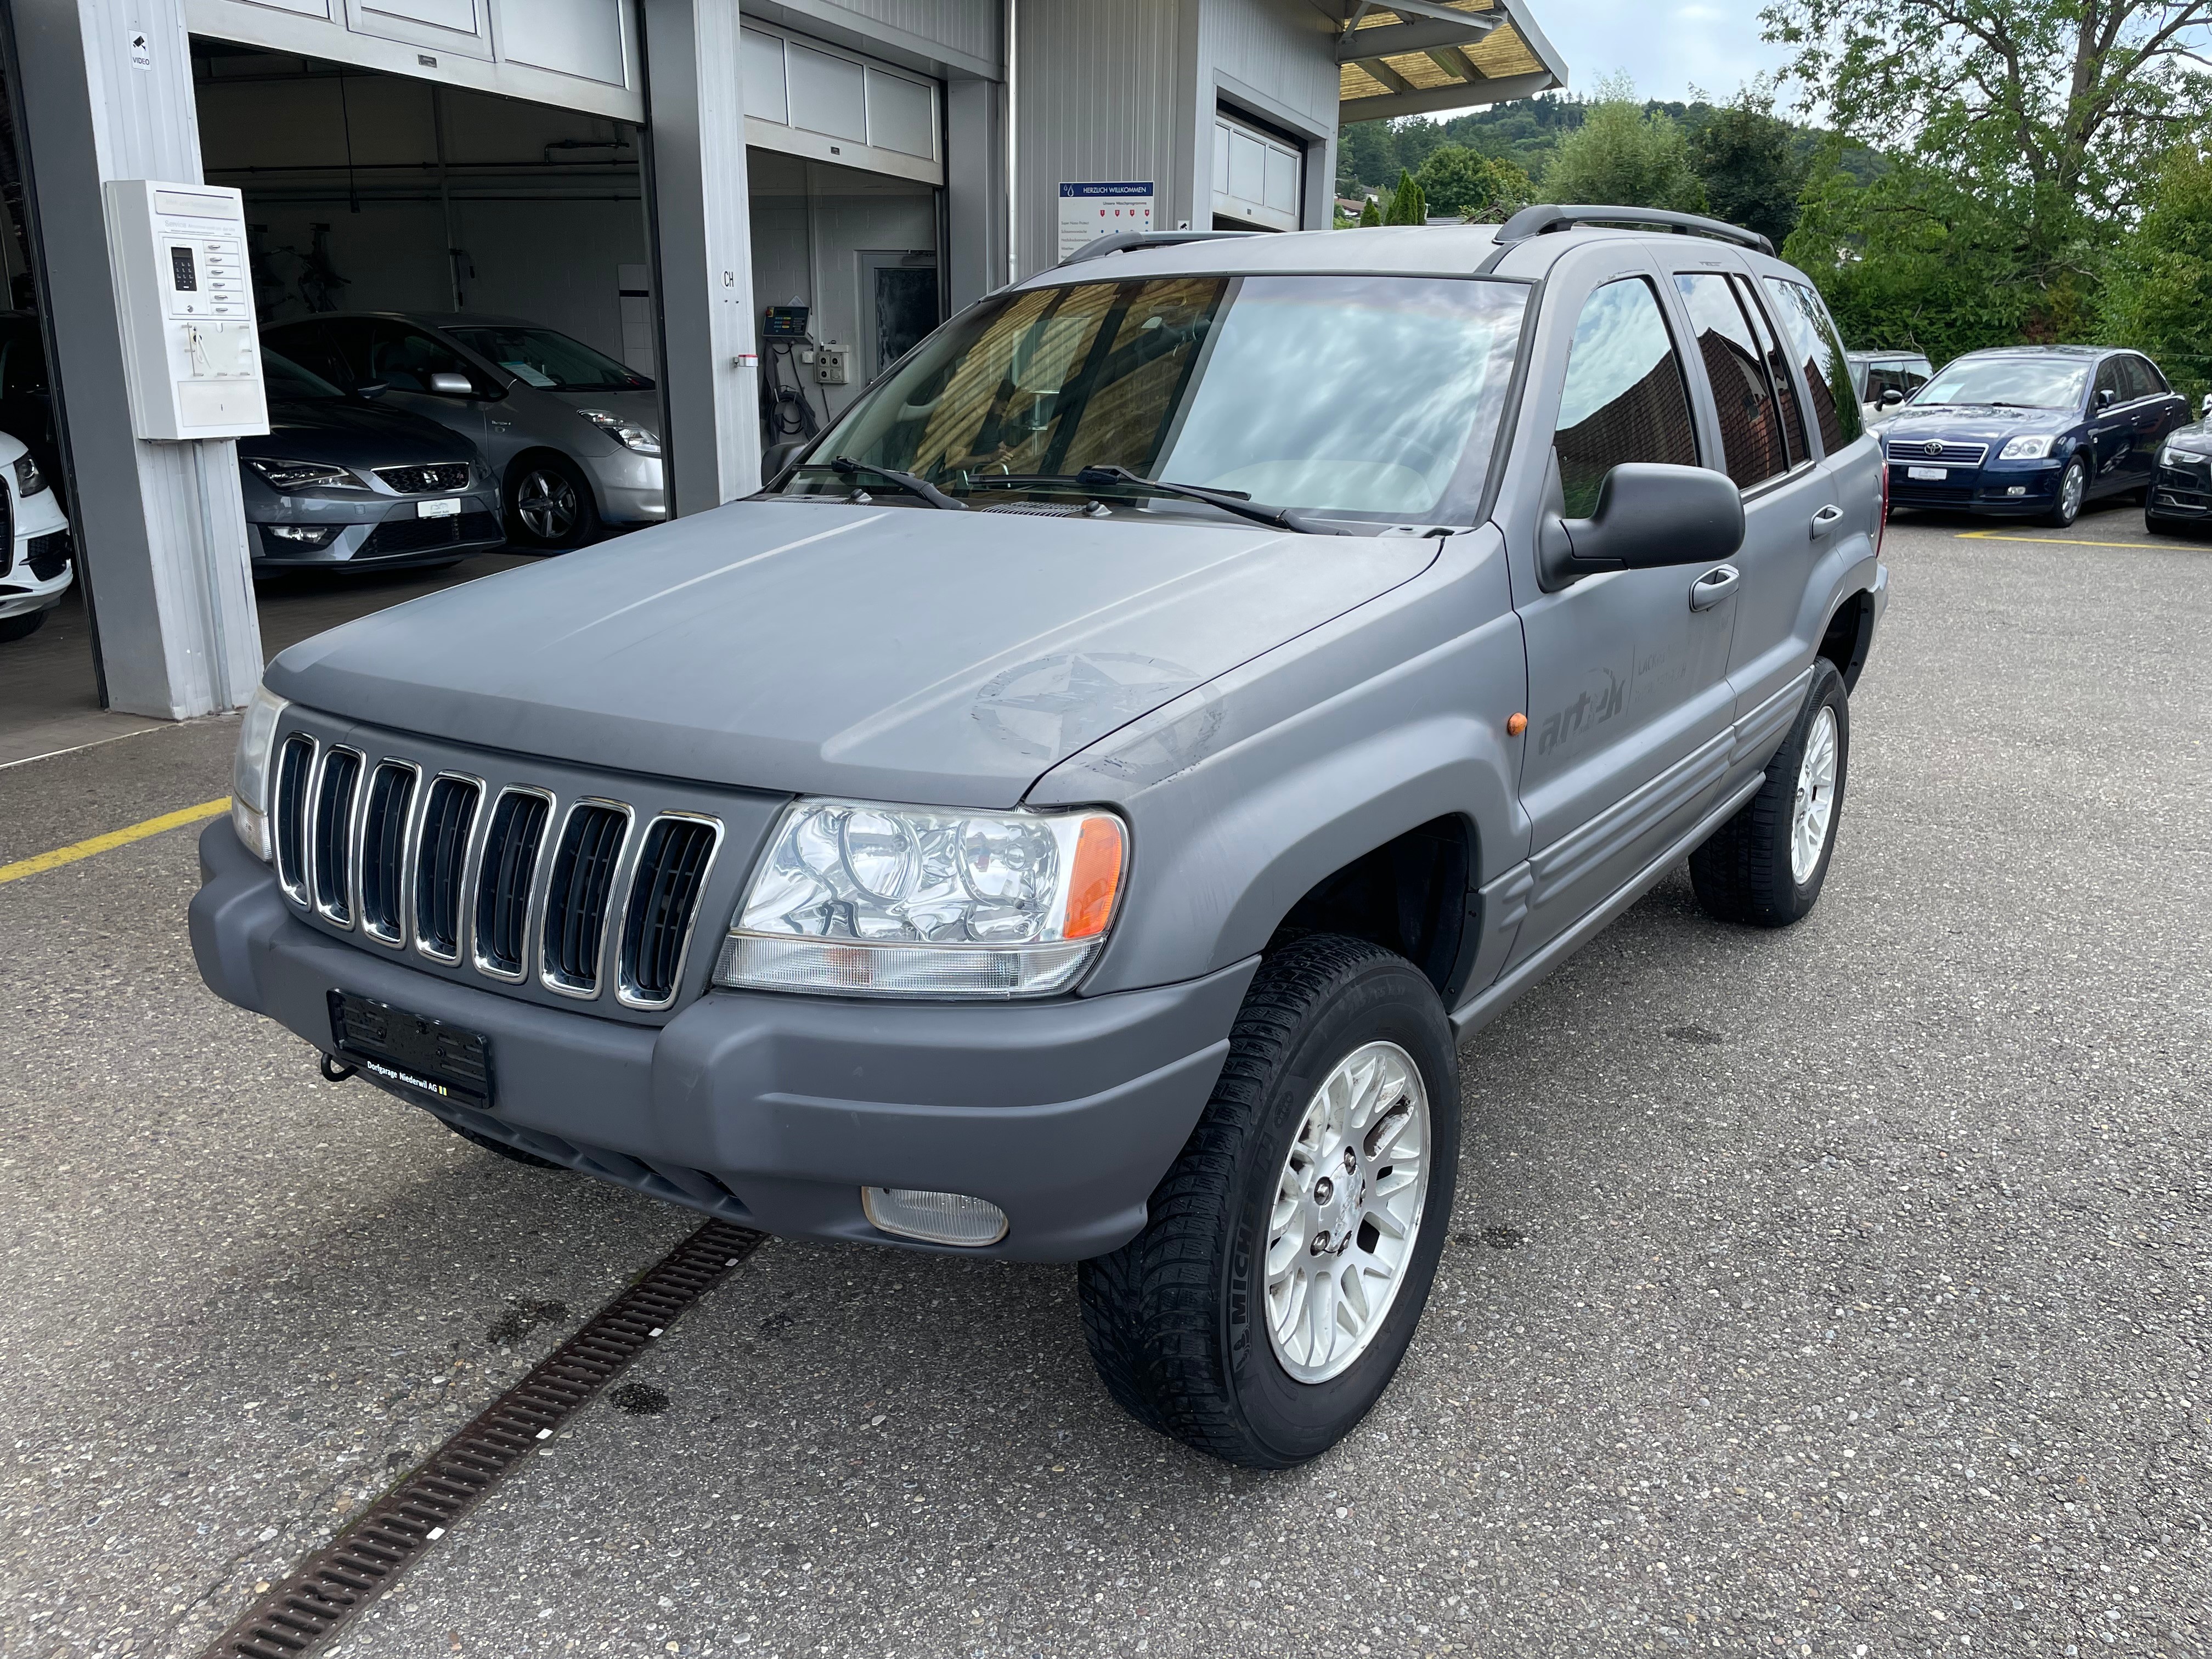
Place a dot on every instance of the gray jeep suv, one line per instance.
(1076, 813)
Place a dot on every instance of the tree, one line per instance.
(1456, 179)
(2158, 297)
(1407, 204)
(1624, 156)
(2053, 113)
(1370, 212)
(1752, 167)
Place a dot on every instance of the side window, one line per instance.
(2108, 379)
(2158, 385)
(1889, 377)
(1915, 376)
(1812, 334)
(2139, 379)
(1625, 399)
(1778, 369)
(1751, 424)
(406, 358)
(309, 345)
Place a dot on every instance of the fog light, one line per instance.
(2015, 489)
(306, 535)
(937, 1217)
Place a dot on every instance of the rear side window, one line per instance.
(1750, 422)
(1625, 399)
(2139, 379)
(1812, 334)
(1778, 369)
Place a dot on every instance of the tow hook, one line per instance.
(334, 1072)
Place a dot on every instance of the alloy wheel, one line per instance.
(1346, 1211)
(1814, 806)
(546, 503)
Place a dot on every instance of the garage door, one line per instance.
(574, 54)
(807, 98)
(1258, 178)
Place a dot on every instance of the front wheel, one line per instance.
(549, 506)
(22, 627)
(1766, 864)
(1267, 1303)
(2073, 488)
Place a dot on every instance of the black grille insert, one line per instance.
(663, 894)
(510, 859)
(423, 480)
(333, 843)
(48, 555)
(383, 850)
(447, 816)
(398, 535)
(294, 769)
(576, 896)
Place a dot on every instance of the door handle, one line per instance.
(1715, 585)
(1827, 520)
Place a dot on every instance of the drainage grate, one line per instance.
(337, 1581)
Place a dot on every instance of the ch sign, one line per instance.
(1093, 210)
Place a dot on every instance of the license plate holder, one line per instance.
(430, 1061)
(449, 508)
(1929, 474)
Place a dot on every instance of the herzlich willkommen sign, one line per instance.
(1089, 210)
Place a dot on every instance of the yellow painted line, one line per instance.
(113, 838)
(2061, 541)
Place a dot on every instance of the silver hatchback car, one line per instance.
(572, 435)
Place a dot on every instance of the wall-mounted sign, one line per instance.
(1089, 210)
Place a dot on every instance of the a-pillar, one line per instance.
(161, 528)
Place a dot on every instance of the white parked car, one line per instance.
(1884, 380)
(35, 563)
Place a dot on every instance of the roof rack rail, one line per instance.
(1128, 240)
(1535, 221)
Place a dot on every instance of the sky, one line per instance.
(1666, 48)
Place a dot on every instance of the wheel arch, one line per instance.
(1848, 635)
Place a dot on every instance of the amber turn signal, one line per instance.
(1515, 725)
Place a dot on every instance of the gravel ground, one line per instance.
(1833, 1291)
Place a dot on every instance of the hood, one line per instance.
(346, 432)
(892, 653)
(1975, 422)
(2196, 437)
(643, 407)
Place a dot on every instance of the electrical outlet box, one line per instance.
(190, 349)
(830, 365)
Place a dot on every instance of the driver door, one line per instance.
(1629, 700)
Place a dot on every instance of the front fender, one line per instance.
(1246, 792)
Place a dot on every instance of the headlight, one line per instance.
(643, 438)
(29, 481)
(304, 475)
(249, 774)
(2026, 449)
(860, 899)
(2171, 457)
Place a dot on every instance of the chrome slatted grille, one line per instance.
(476, 877)
(1934, 451)
(296, 767)
(577, 892)
(383, 852)
(441, 851)
(504, 875)
(664, 898)
(331, 844)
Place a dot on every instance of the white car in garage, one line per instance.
(36, 551)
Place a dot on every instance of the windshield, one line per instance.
(1350, 394)
(286, 380)
(2023, 382)
(540, 357)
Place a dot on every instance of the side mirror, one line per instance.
(452, 385)
(1891, 397)
(2106, 396)
(776, 460)
(372, 389)
(1648, 515)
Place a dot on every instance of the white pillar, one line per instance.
(161, 528)
(703, 251)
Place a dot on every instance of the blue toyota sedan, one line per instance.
(2031, 432)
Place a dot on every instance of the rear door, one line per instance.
(2153, 411)
(1629, 704)
(1789, 503)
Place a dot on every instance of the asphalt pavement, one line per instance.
(1837, 1291)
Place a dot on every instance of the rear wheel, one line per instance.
(1267, 1303)
(549, 504)
(1766, 864)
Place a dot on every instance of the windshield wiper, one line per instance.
(1120, 477)
(845, 467)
